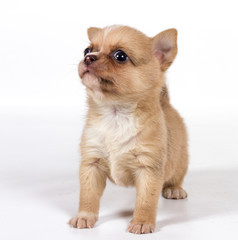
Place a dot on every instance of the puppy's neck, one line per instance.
(116, 108)
(142, 106)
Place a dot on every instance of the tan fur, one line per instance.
(133, 136)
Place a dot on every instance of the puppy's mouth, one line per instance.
(101, 80)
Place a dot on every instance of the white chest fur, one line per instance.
(113, 132)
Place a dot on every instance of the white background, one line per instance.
(42, 110)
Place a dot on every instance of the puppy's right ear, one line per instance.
(165, 47)
(92, 32)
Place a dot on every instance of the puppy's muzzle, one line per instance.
(89, 59)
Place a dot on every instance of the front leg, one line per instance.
(92, 183)
(148, 187)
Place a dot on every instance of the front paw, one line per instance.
(83, 220)
(141, 228)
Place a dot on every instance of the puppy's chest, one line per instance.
(114, 132)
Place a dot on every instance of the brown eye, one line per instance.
(86, 51)
(120, 56)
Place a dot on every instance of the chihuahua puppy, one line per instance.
(133, 135)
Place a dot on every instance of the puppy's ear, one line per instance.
(165, 47)
(92, 32)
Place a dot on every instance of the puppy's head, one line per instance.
(122, 63)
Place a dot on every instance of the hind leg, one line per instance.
(176, 170)
(172, 189)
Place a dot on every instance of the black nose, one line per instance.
(89, 59)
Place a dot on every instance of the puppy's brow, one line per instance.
(94, 47)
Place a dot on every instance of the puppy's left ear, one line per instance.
(165, 47)
(92, 32)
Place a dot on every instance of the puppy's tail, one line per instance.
(164, 95)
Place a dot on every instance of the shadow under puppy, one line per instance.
(133, 136)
